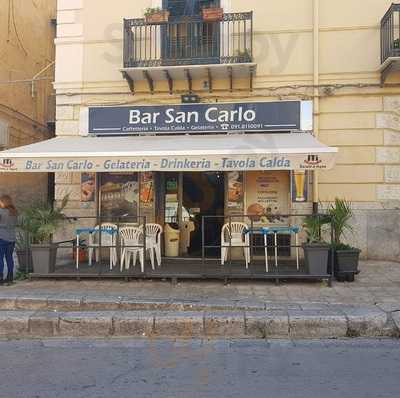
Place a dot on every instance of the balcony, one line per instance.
(188, 48)
(390, 42)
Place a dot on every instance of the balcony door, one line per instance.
(186, 38)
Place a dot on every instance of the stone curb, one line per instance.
(113, 303)
(292, 323)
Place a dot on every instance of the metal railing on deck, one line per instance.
(74, 238)
(66, 253)
(189, 41)
(270, 248)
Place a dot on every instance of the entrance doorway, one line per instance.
(203, 195)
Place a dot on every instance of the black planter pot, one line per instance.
(346, 264)
(44, 258)
(25, 260)
(316, 258)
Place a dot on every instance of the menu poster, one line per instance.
(267, 196)
(235, 190)
(147, 196)
(88, 187)
(171, 187)
(119, 196)
(299, 185)
(171, 197)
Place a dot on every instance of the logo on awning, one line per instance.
(313, 160)
(7, 164)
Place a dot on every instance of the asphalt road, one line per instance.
(250, 369)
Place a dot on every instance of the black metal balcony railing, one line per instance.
(189, 41)
(390, 33)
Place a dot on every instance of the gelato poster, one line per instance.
(235, 190)
(299, 185)
(88, 187)
(147, 196)
(119, 194)
(147, 189)
(267, 196)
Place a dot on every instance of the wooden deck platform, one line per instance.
(185, 268)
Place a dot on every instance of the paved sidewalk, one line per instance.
(377, 284)
(369, 307)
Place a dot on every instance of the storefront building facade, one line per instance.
(273, 90)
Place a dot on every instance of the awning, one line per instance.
(171, 153)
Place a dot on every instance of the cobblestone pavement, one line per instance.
(378, 284)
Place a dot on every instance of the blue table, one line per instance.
(265, 231)
(80, 231)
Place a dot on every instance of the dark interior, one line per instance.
(203, 195)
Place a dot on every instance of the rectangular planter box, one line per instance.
(213, 14)
(158, 17)
(44, 258)
(316, 259)
(25, 260)
(346, 261)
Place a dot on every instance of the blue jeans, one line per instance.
(6, 252)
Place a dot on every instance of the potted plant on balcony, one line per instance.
(39, 222)
(346, 257)
(212, 13)
(156, 15)
(244, 55)
(396, 44)
(316, 251)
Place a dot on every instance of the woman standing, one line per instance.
(8, 222)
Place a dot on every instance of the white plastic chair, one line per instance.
(234, 235)
(153, 241)
(108, 238)
(132, 245)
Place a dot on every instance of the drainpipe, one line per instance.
(316, 96)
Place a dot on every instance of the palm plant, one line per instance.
(41, 220)
(340, 214)
(313, 226)
(152, 10)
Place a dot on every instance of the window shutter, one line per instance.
(176, 7)
(187, 7)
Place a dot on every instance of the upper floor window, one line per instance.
(179, 8)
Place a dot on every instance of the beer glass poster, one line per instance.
(299, 185)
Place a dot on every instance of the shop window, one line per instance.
(119, 197)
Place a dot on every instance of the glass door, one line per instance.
(186, 38)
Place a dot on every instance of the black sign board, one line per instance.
(195, 118)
